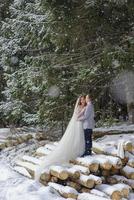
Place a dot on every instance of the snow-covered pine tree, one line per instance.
(22, 32)
(93, 36)
(53, 51)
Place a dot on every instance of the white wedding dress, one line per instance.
(71, 145)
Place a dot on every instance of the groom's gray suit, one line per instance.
(88, 125)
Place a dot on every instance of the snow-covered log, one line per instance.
(112, 191)
(73, 173)
(128, 146)
(128, 172)
(82, 169)
(74, 185)
(89, 162)
(65, 191)
(88, 196)
(124, 189)
(86, 181)
(59, 172)
(121, 179)
(42, 151)
(99, 193)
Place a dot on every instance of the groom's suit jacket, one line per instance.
(88, 117)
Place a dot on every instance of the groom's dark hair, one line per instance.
(89, 96)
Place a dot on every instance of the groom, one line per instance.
(88, 125)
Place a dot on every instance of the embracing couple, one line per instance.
(77, 139)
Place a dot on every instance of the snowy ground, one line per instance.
(124, 128)
(13, 186)
(16, 187)
(109, 139)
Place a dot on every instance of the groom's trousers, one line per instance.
(88, 141)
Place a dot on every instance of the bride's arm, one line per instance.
(80, 113)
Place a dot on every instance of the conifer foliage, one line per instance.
(54, 50)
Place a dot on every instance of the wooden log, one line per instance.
(129, 155)
(130, 158)
(131, 163)
(111, 180)
(89, 162)
(116, 162)
(73, 173)
(103, 179)
(122, 179)
(124, 161)
(82, 169)
(59, 172)
(103, 161)
(20, 140)
(8, 143)
(114, 171)
(124, 189)
(64, 191)
(128, 146)
(25, 138)
(97, 180)
(31, 159)
(100, 148)
(99, 193)
(74, 185)
(22, 171)
(86, 181)
(53, 179)
(45, 176)
(29, 136)
(2, 145)
(106, 166)
(88, 196)
(128, 172)
(31, 168)
(114, 193)
(105, 173)
(85, 190)
(14, 142)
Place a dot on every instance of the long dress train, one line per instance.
(71, 145)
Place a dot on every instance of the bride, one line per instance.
(71, 145)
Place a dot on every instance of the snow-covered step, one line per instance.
(31, 159)
(31, 168)
(88, 161)
(100, 148)
(50, 147)
(42, 151)
(82, 169)
(22, 171)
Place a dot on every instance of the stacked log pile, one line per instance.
(15, 136)
(100, 176)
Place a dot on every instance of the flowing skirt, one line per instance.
(71, 145)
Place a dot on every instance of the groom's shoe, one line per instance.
(88, 153)
(83, 155)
